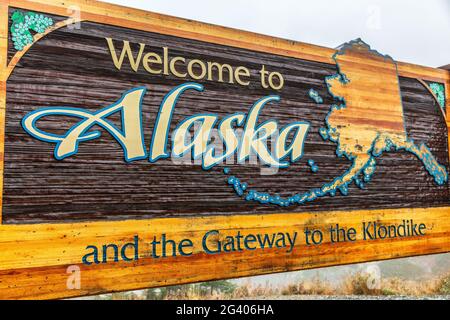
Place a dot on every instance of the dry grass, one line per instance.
(353, 284)
(309, 287)
(248, 290)
(361, 284)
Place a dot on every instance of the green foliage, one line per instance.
(402, 269)
(445, 286)
(23, 24)
(439, 90)
(190, 291)
(222, 286)
(388, 292)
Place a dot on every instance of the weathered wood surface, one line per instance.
(74, 68)
(100, 12)
(31, 268)
(34, 258)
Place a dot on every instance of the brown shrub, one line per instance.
(357, 284)
(316, 286)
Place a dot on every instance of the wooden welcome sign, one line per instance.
(140, 150)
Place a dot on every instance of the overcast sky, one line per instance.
(416, 31)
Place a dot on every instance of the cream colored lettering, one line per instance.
(220, 68)
(295, 149)
(158, 147)
(242, 72)
(255, 136)
(229, 137)
(199, 143)
(152, 58)
(173, 67)
(253, 141)
(156, 64)
(126, 50)
(200, 65)
(130, 137)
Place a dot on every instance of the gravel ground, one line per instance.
(324, 297)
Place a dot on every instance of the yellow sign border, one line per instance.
(34, 258)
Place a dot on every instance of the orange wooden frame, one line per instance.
(34, 258)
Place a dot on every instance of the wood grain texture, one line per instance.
(35, 257)
(45, 275)
(95, 184)
(4, 14)
(447, 108)
(97, 11)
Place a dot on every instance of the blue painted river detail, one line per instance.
(361, 129)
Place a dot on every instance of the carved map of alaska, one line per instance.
(362, 127)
